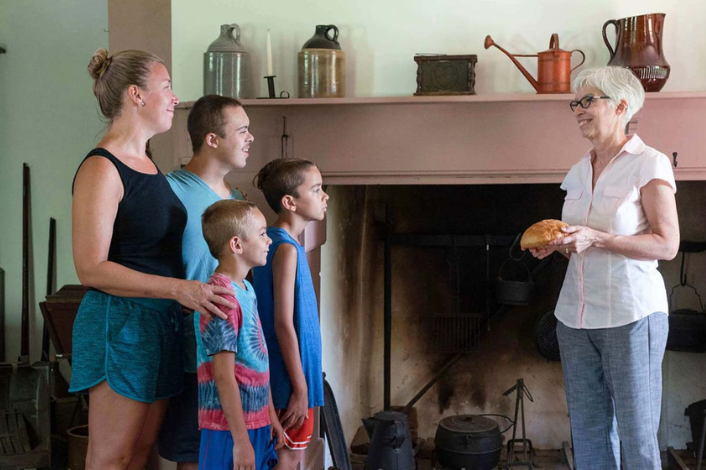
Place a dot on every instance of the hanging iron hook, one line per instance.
(284, 139)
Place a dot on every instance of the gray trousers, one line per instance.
(613, 379)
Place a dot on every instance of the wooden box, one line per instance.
(445, 74)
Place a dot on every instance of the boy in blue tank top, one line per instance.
(287, 301)
(219, 131)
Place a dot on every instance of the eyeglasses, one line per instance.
(586, 101)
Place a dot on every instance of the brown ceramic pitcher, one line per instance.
(639, 48)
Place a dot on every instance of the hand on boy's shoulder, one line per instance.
(223, 281)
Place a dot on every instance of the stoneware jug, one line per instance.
(226, 66)
(639, 48)
(322, 65)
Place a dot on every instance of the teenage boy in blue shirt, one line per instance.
(221, 140)
(287, 301)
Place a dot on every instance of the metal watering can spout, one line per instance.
(489, 42)
(369, 425)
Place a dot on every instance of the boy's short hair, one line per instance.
(207, 116)
(224, 220)
(281, 177)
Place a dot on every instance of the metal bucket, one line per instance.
(514, 292)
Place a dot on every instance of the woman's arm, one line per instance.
(97, 193)
(662, 243)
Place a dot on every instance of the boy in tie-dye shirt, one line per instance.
(239, 427)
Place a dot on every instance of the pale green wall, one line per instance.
(380, 38)
(48, 118)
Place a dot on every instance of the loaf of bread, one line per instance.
(541, 233)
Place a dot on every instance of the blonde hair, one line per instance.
(619, 83)
(224, 220)
(112, 75)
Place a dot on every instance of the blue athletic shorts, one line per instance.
(136, 344)
(179, 437)
(217, 449)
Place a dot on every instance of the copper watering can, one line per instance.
(554, 68)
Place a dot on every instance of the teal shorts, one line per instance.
(136, 344)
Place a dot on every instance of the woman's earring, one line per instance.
(142, 103)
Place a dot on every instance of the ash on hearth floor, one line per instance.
(545, 459)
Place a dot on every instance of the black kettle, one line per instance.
(390, 442)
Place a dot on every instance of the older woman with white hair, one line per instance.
(612, 309)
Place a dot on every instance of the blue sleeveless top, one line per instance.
(306, 324)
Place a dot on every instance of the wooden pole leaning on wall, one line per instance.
(24, 340)
(51, 287)
(2, 315)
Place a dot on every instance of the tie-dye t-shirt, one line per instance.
(241, 334)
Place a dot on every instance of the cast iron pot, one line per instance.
(687, 331)
(468, 442)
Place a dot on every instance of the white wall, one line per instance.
(380, 38)
(48, 118)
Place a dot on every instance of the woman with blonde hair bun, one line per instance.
(127, 233)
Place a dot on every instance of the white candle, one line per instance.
(269, 54)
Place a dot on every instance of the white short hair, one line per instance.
(617, 82)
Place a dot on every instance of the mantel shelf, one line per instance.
(481, 139)
(516, 97)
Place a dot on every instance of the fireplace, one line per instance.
(432, 280)
(352, 292)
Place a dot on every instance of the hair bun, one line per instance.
(99, 63)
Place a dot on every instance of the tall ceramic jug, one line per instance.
(639, 48)
(322, 65)
(226, 66)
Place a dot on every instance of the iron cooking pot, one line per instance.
(469, 442)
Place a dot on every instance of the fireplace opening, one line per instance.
(431, 285)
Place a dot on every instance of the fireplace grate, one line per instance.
(456, 332)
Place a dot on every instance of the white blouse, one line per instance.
(603, 289)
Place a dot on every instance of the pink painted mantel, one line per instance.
(491, 139)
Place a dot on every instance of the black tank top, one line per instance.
(150, 222)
